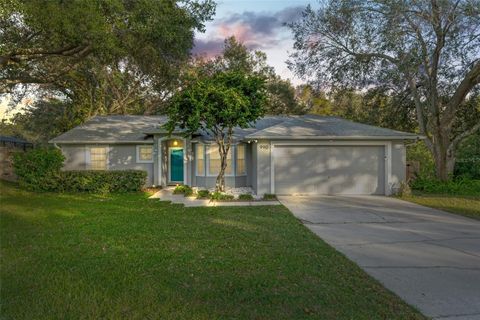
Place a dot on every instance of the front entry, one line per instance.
(176, 165)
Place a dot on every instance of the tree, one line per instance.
(281, 98)
(426, 49)
(216, 104)
(42, 40)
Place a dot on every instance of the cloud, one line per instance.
(257, 30)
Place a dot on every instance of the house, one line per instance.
(279, 154)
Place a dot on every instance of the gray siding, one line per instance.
(123, 157)
(263, 167)
(253, 172)
(120, 157)
(399, 165)
(75, 157)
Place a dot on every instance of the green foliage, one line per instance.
(219, 196)
(187, 191)
(419, 152)
(102, 182)
(42, 40)
(219, 97)
(269, 196)
(38, 169)
(468, 158)
(203, 194)
(458, 186)
(245, 196)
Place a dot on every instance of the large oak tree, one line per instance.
(430, 49)
(43, 40)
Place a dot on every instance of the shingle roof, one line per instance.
(312, 126)
(118, 129)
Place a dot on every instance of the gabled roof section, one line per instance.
(140, 129)
(319, 127)
(113, 129)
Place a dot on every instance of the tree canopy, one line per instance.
(220, 95)
(42, 40)
(427, 51)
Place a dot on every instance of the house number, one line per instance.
(264, 146)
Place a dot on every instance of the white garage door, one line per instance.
(329, 169)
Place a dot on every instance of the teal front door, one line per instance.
(176, 165)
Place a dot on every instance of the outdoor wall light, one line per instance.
(175, 143)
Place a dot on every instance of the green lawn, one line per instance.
(466, 205)
(128, 257)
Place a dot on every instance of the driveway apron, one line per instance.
(429, 258)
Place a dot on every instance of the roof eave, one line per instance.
(403, 137)
(98, 141)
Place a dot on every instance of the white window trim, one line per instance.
(208, 173)
(204, 160)
(138, 153)
(245, 159)
(88, 156)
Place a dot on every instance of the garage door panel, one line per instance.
(329, 169)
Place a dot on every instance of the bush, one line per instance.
(468, 158)
(245, 196)
(183, 189)
(268, 196)
(102, 181)
(38, 169)
(203, 194)
(457, 186)
(218, 196)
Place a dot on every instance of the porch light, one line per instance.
(175, 143)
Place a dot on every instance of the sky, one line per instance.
(259, 25)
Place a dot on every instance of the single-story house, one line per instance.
(278, 154)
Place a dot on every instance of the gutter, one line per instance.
(253, 137)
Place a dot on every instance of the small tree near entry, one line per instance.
(215, 104)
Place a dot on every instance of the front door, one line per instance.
(176, 165)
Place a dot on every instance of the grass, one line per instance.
(72, 256)
(465, 205)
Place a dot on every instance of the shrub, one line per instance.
(218, 196)
(38, 169)
(245, 196)
(269, 196)
(468, 158)
(102, 181)
(457, 186)
(203, 194)
(183, 189)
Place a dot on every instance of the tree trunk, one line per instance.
(220, 182)
(443, 156)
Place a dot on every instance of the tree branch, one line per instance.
(462, 136)
(471, 79)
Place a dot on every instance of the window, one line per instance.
(98, 158)
(145, 154)
(214, 161)
(241, 169)
(200, 154)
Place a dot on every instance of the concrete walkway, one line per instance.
(429, 258)
(167, 195)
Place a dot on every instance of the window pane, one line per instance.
(215, 163)
(200, 159)
(98, 158)
(241, 170)
(145, 153)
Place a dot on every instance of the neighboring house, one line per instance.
(8, 146)
(280, 154)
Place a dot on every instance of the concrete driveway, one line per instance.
(429, 258)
